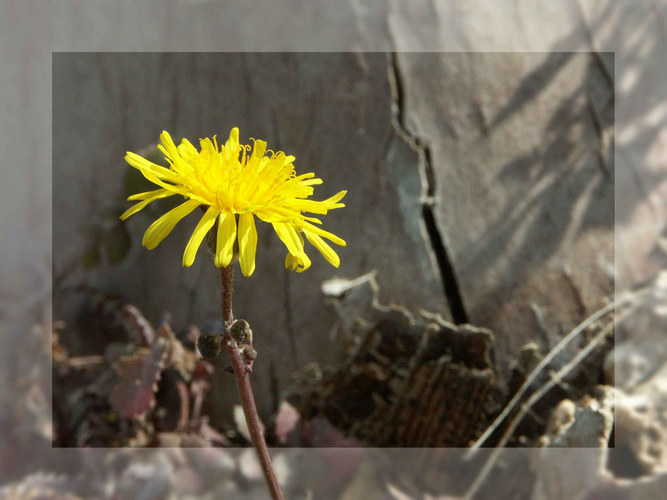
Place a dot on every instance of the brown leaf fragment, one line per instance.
(139, 374)
(139, 324)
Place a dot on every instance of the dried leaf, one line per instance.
(139, 374)
(138, 323)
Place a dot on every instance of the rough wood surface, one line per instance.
(480, 186)
(520, 161)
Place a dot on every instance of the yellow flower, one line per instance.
(236, 182)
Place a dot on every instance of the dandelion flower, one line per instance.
(236, 183)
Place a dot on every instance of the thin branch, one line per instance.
(538, 369)
(535, 397)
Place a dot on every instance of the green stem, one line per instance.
(243, 383)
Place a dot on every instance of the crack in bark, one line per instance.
(445, 266)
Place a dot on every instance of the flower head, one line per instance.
(236, 183)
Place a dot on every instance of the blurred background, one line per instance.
(508, 182)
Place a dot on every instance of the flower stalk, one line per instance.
(243, 382)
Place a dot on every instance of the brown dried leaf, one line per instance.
(139, 324)
(139, 374)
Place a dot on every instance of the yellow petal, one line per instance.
(316, 207)
(232, 144)
(268, 216)
(277, 214)
(332, 202)
(312, 219)
(147, 198)
(187, 150)
(298, 264)
(258, 149)
(163, 226)
(291, 262)
(247, 243)
(287, 159)
(207, 146)
(311, 182)
(169, 147)
(289, 236)
(304, 263)
(204, 226)
(224, 250)
(146, 194)
(321, 232)
(152, 172)
(308, 175)
(324, 248)
(136, 208)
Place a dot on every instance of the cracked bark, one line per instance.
(435, 238)
(514, 204)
